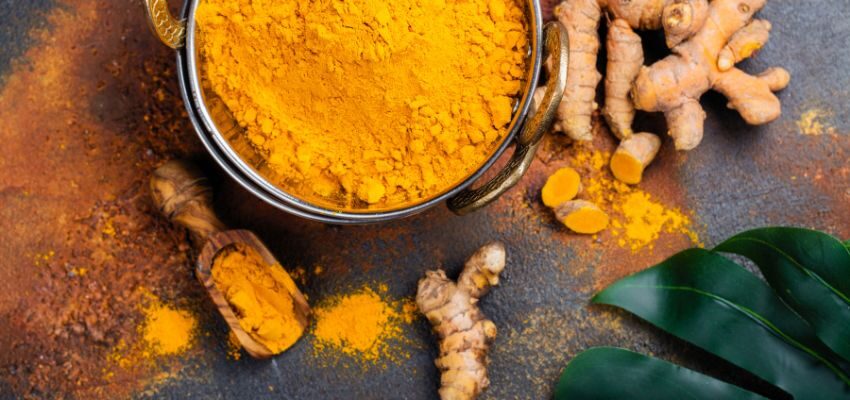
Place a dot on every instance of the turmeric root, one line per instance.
(706, 38)
(633, 156)
(743, 44)
(675, 84)
(562, 186)
(582, 216)
(464, 332)
(581, 18)
(625, 57)
(682, 19)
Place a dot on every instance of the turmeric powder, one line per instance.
(633, 216)
(261, 296)
(361, 324)
(367, 104)
(164, 331)
(167, 331)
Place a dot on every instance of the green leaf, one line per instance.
(810, 270)
(707, 300)
(605, 373)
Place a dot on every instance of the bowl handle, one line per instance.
(169, 30)
(556, 47)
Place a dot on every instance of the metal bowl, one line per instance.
(222, 137)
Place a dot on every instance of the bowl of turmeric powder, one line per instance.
(363, 111)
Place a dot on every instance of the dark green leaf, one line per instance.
(717, 305)
(810, 270)
(607, 373)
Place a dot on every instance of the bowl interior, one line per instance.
(229, 137)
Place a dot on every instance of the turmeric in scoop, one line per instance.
(261, 296)
(366, 104)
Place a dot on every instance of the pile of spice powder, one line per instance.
(164, 331)
(637, 220)
(167, 330)
(366, 104)
(261, 295)
(363, 324)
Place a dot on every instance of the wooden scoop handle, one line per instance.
(182, 194)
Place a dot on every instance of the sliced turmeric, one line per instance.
(633, 156)
(564, 185)
(582, 216)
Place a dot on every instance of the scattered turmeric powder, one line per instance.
(234, 347)
(167, 331)
(644, 220)
(813, 122)
(634, 217)
(364, 103)
(362, 324)
(261, 296)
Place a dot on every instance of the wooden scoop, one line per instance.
(181, 193)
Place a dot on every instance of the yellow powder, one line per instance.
(812, 122)
(636, 219)
(644, 220)
(365, 103)
(43, 258)
(166, 330)
(261, 296)
(361, 324)
(234, 347)
(108, 227)
(164, 333)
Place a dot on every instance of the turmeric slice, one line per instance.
(633, 156)
(582, 216)
(564, 185)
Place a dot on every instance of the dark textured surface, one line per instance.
(740, 177)
(18, 17)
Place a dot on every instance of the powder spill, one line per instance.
(85, 94)
(167, 331)
(363, 324)
(812, 122)
(637, 220)
(364, 103)
(164, 331)
(234, 347)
